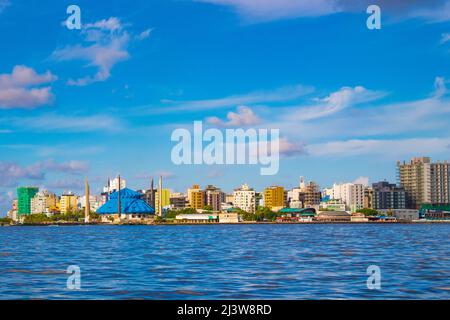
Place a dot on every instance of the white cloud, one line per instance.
(4, 4)
(144, 34)
(266, 10)
(242, 118)
(270, 9)
(362, 180)
(391, 148)
(335, 102)
(445, 37)
(289, 149)
(106, 45)
(54, 122)
(22, 88)
(12, 172)
(277, 95)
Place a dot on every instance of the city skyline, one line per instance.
(349, 102)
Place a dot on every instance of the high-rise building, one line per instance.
(214, 197)
(42, 202)
(178, 200)
(196, 197)
(245, 198)
(388, 196)
(229, 198)
(424, 182)
(368, 197)
(68, 203)
(274, 197)
(113, 185)
(305, 195)
(24, 196)
(351, 194)
(165, 199)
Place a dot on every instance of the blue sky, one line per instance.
(349, 102)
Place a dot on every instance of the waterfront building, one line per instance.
(388, 196)
(424, 182)
(24, 196)
(401, 214)
(274, 197)
(68, 203)
(305, 195)
(214, 197)
(333, 205)
(229, 217)
(132, 208)
(334, 216)
(435, 212)
(296, 215)
(245, 198)
(196, 197)
(197, 218)
(358, 217)
(165, 200)
(43, 202)
(351, 194)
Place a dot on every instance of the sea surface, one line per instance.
(226, 261)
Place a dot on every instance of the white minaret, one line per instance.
(87, 206)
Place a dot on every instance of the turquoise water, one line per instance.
(226, 261)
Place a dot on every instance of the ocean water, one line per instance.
(226, 261)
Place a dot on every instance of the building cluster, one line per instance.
(422, 191)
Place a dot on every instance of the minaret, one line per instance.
(160, 197)
(152, 194)
(87, 206)
(302, 183)
(119, 208)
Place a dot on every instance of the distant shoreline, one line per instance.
(216, 223)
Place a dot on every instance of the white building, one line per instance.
(113, 185)
(245, 199)
(94, 202)
(42, 202)
(350, 193)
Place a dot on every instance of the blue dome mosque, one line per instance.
(131, 204)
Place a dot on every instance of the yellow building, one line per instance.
(165, 199)
(68, 203)
(274, 197)
(196, 197)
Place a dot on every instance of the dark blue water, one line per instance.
(226, 262)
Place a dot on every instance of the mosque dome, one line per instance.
(130, 203)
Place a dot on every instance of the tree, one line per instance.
(264, 213)
(36, 219)
(368, 212)
(208, 208)
(5, 221)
